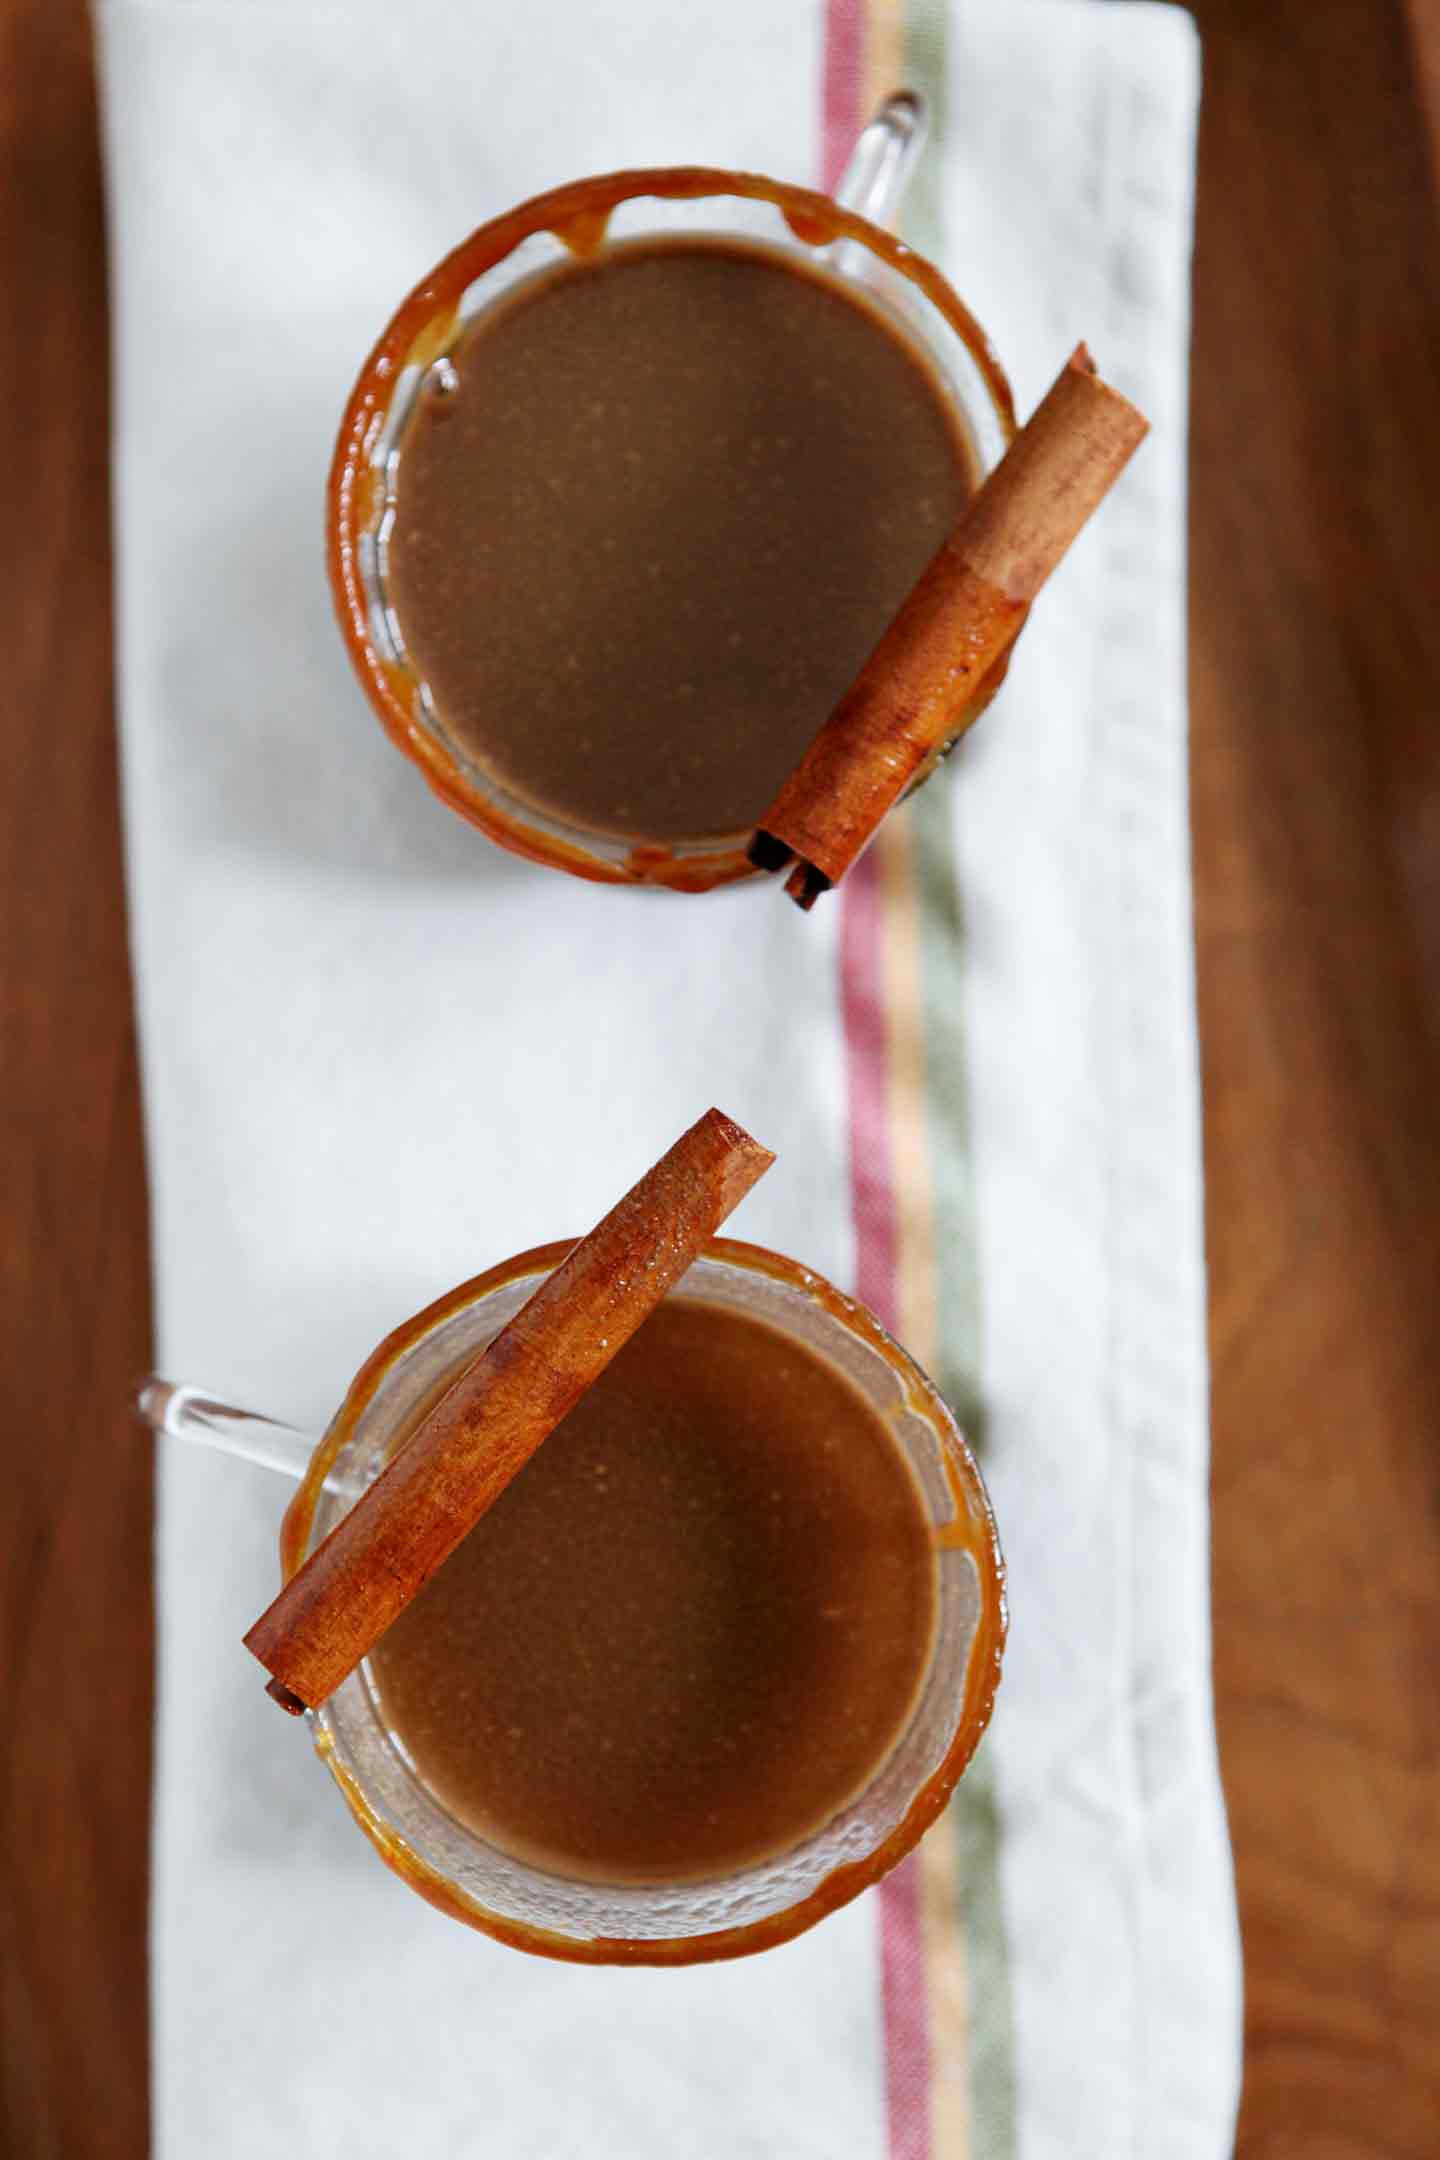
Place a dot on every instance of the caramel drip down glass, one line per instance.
(844, 234)
(652, 1923)
(768, 1901)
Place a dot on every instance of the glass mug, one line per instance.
(581, 220)
(650, 1923)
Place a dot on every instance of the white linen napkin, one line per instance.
(379, 1054)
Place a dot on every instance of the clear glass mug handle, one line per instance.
(193, 1414)
(874, 181)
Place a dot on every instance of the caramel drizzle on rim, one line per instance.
(971, 1530)
(578, 216)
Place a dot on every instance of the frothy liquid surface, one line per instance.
(693, 1627)
(645, 541)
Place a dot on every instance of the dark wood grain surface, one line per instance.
(75, 1598)
(1315, 673)
(1316, 701)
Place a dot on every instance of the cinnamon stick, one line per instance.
(918, 689)
(488, 1425)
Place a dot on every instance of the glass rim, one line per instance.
(577, 215)
(973, 1523)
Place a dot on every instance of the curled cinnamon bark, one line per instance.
(911, 698)
(488, 1425)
